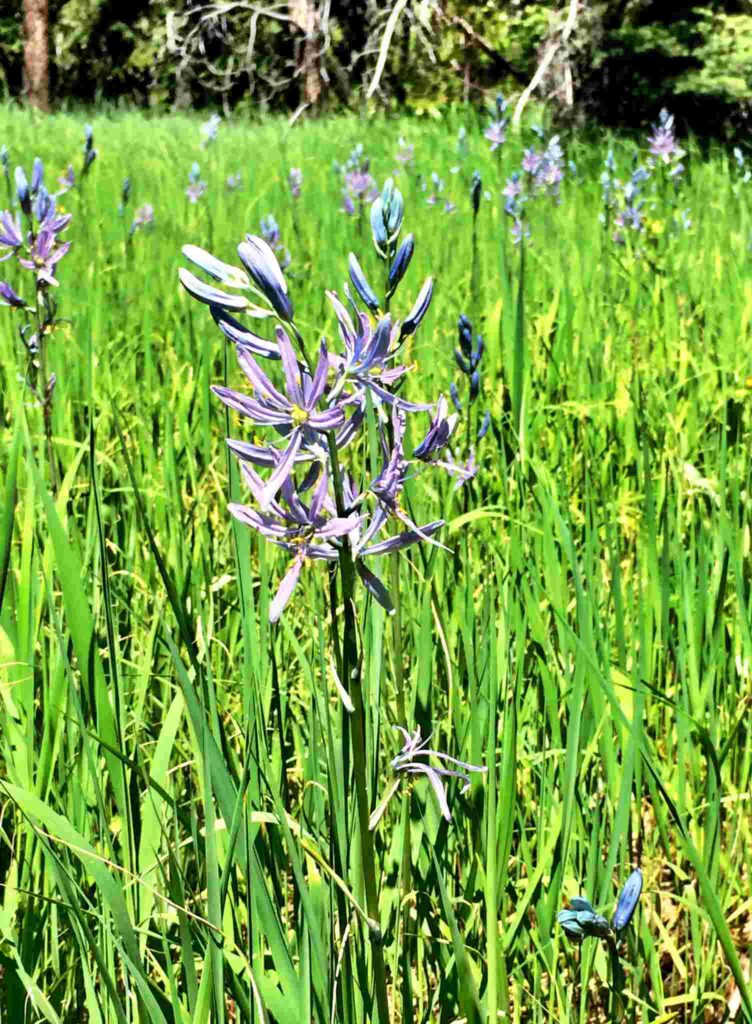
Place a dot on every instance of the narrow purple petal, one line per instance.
(290, 366)
(402, 540)
(286, 587)
(283, 469)
(376, 588)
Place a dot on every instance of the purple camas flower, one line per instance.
(142, 218)
(233, 181)
(308, 531)
(406, 152)
(439, 433)
(196, 187)
(295, 181)
(67, 181)
(496, 134)
(294, 413)
(44, 255)
(210, 130)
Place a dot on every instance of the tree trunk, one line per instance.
(304, 16)
(36, 54)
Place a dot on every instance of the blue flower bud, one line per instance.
(475, 192)
(455, 396)
(361, 285)
(419, 310)
(44, 205)
(22, 191)
(464, 366)
(4, 157)
(478, 353)
(386, 217)
(474, 386)
(628, 900)
(261, 263)
(485, 424)
(466, 335)
(37, 176)
(401, 263)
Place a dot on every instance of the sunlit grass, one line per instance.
(587, 638)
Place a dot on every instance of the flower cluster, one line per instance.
(359, 185)
(310, 503)
(580, 920)
(664, 149)
(36, 242)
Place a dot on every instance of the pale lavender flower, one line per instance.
(210, 130)
(295, 181)
(67, 181)
(496, 134)
(233, 181)
(406, 152)
(44, 255)
(310, 531)
(142, 218)
(294, 413)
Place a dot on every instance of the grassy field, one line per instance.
(178, 830)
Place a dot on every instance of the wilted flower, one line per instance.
(413, 759)
(439, 433)
(67, 181)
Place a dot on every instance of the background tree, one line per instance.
(36, 53)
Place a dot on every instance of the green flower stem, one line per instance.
(351, 680)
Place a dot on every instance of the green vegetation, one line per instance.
(175, 842)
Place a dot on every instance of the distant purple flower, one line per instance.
(406, 152)
(142, 218)
(68, 180)
(271, 234)
(496, 134)
(295, 181)
(8, 297)
(293, 413)
(233, 181)
(662, 142)
(348, 206)
(210, 130)
(462, 471)
(513, 187)
(195, 191)
(449, 206)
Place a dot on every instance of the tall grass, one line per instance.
(177, 831)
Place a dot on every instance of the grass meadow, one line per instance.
(178, 826)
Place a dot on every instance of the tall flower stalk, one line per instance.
(309, 496)
(32, 239)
